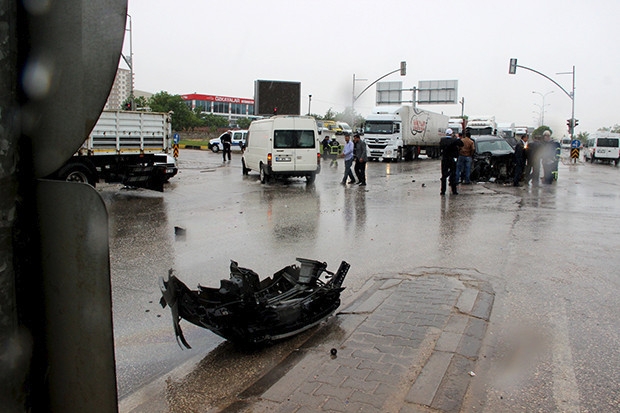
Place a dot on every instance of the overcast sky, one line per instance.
(222, 47)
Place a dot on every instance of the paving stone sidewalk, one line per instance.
(408, 343)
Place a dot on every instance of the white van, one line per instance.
(603, 148)
(283, 146)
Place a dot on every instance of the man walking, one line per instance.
(360, 159)
(348, 160)
(450, 152)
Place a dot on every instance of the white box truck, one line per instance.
(133, 148)
(283, 146)
(392, 133)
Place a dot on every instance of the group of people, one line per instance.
(331, 150)
(354, 151)
(530, 156)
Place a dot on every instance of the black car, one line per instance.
(493, 159)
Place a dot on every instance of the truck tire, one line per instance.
(77, 172)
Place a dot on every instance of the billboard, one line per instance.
(438, 92)
(276, 97)
(389, 93)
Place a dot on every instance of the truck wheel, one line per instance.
(310, 178)
(77, 172)
(244, 169)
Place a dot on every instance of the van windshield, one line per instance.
(607, 142)
(293, 139)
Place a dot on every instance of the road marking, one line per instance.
(565, 389)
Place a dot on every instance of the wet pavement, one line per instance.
(544, 257)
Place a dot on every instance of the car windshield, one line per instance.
(293, 139)
(493, 146)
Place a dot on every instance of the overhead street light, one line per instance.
(403, 71)
(542, 108)
(512, 69)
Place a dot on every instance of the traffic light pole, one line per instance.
(513, 69)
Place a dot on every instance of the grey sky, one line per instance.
(222, 47)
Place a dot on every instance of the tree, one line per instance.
(583, 136)
(614, 129)
(538, 132)
(182, 118)
(244, 123)
(139, 102)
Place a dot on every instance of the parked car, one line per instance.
(238, 141)
(493, 159)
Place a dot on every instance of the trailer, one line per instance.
(132, 148)
(394, 133)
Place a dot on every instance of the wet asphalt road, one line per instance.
(549, 252)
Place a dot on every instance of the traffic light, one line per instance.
(403, 68)
(576, 122)
(275, 111)
(127, 106)
(512, 69)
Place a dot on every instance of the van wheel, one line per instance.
(592, 159)
(263, 175)
(244, 169)
(310, 178)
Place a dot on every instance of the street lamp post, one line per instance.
(309, 103)
(129, 61)
(542, 108)
(403, 71)
(512, 69)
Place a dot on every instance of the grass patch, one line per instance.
(194, 142)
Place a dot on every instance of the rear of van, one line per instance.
(283, 146)
(603, 148)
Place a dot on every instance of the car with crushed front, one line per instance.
(493, 159)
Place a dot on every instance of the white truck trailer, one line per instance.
(482, 125)
(133, 148)
(392, 133)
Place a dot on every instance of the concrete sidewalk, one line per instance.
(408, 343)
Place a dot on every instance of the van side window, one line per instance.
(293, 139)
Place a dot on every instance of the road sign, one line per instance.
(176, 138)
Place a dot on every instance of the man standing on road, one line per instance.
(226, 140)
(348, 159)
(520, 158)
(450, 151)
(551, 153)
(360, 159)
(463, 164)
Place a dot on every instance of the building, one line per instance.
(231, 107)
(121, 89)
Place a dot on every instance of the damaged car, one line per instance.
(249, 311)
(493, 159)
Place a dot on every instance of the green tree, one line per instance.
(139, 102)
(583, 136)
(244, 123)
(614, 129)
(182, 118)
(538, 132)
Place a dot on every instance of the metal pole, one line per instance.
(572, 126)
(309, 103)
(131, 95)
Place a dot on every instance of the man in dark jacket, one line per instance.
(361, 158)
(450, 152)
(520, 158)
(226, 140)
